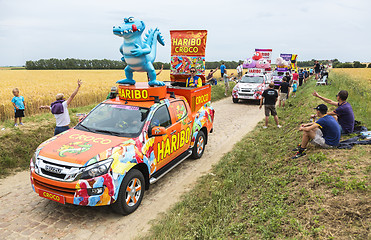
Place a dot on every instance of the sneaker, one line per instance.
(15, 125)
(297, 148)
(279, 126)
(264, 127)
(300, 153)
(21, 124)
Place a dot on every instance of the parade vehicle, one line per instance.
(277, 76)
(123, 145)
(251, 86)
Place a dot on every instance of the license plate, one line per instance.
(245, 96)
(52, 196)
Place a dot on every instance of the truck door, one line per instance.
(181, 128)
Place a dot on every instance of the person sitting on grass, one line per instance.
(193, 80)
(324, 133)
(344, 113)
(210, 77)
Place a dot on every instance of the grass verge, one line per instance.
(257, 192)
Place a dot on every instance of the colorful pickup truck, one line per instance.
(123, 145)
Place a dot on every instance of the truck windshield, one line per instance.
(252, 79)
(115, 119)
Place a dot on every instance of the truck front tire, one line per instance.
(199, 147)
(235, 100)
(131, 193)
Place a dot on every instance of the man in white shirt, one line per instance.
(60, 111)
(239, 71)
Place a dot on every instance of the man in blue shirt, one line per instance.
(344, 113)
(324, 133)
(222, 69)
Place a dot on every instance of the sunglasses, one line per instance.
(193, 71)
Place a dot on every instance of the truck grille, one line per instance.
(57, 170)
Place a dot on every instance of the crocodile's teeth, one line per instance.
(130, 30)
(125, 31)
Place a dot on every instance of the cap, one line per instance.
(322, 107)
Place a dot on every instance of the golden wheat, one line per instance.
(362, 75)
(39, 87)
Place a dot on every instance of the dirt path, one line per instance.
(24, 215)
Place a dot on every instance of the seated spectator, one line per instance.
(324, 133)
(210, 77)
(193, 80)
(344, 112)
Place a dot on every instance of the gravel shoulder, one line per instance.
(24, 215)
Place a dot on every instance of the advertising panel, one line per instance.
(187, 50)
(266, 53)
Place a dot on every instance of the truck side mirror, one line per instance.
(158, 131)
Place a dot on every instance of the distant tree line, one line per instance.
(335, 63)
(72, 63)
(355, 64)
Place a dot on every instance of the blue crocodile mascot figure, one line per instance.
(139, 55)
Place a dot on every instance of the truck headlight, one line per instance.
(96, 169)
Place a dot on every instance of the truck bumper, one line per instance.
(76, 192)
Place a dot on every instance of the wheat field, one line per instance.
(39, 87)
(362, 75)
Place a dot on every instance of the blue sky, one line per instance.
(319, 29)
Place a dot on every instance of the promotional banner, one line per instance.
(286, 57)
(187, 50)
(266, 53)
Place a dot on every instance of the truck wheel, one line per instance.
(235, 100)
(131, 193)
(199, 147)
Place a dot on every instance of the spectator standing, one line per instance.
(324, 133)
(222, 69)
(19, 107)
(239, 71)
(295, 76)
(288, 77)
(306, 74)
(301, 77)
(60, 111)
(344, 113)
(284, 91)
(294, 88)
(316, 69)
(210, 77)
(226, 82)
(311, 71)
(269, 97)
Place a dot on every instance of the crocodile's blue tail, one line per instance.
(151, 39)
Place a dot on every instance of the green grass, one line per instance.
(18, 144)
(257, 192)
